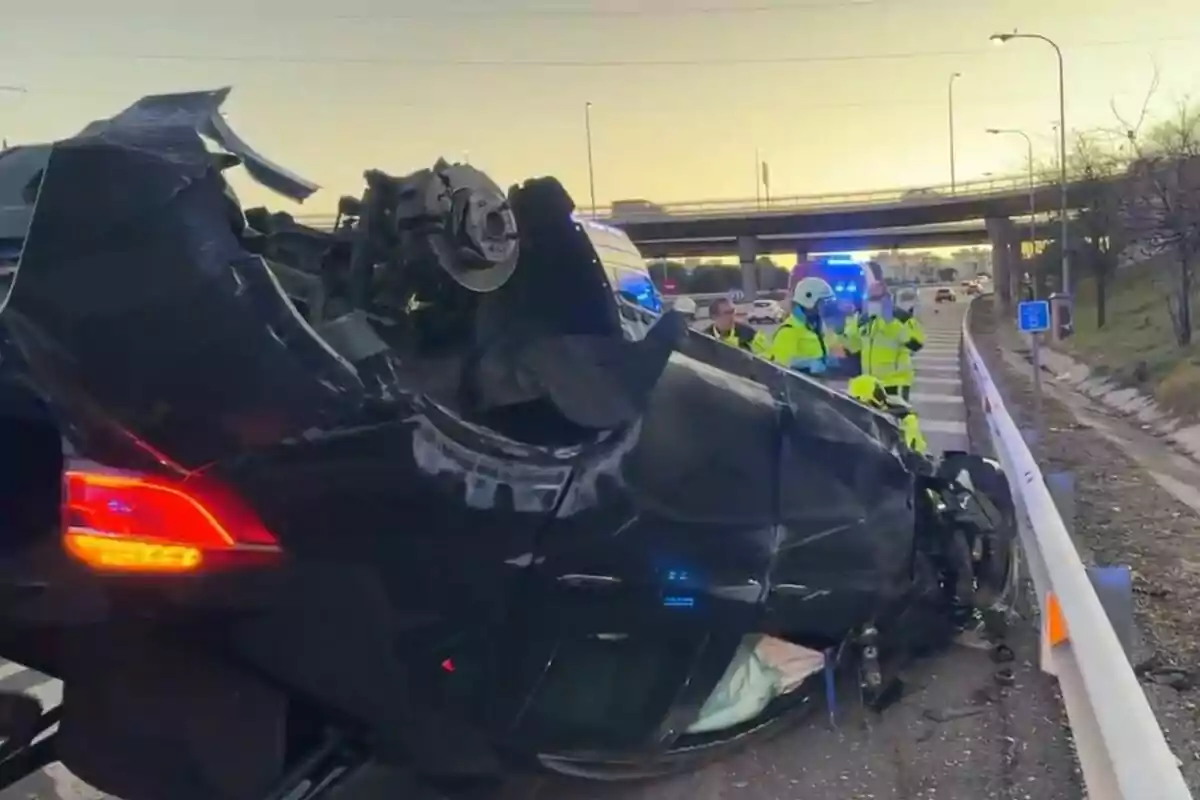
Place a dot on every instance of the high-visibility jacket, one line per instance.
(912, 344)
(910, 426)
(883, 345)
(799, 343)
(743, 336)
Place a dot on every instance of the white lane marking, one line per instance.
(927, 358)
(10, 668)
(66, 785)
(925, 381)
(944, 426)
(49, 692)
(939, 399)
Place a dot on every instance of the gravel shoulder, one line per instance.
(1124, 515)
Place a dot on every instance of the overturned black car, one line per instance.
(421, 491)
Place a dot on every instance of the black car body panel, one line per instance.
(555, 501)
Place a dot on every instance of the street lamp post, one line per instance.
(587, 125)
(1057, 152)
(1032, 192)
(1001, 38)
(950, 109)
(757, 179)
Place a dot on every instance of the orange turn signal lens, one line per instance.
(109, 553)
(116, 522)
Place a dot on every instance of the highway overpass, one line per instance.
(824, 214)
(880, 219)
(951, 235)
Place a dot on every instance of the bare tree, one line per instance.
(1098, 166)
(1162, 208)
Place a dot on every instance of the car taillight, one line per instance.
(119, 522)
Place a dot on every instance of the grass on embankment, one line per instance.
(1136, 347)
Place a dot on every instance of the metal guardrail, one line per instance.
(1122, 750)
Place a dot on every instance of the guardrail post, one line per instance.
(1114, 587)
(747, 247)
(1062, 490)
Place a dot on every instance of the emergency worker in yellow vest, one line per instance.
(906, 313)
(849, 329)
(870, 392)
(885, 345)
(802, 342)
(725, 328)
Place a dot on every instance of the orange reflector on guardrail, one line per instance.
(1054, 625)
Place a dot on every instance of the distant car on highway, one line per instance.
(945, 295)
(627, 209)
(972, 287)
(765, 312)
(917, 195)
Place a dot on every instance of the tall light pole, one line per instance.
(1001, 38)
(587, 125)
(950, 108)
(757, 179)
(1057, 152)
(1032, 192)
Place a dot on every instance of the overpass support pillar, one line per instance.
(747, 247)
(1006, 260)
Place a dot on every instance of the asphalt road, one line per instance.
(993, 741)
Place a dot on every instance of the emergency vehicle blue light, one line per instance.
(643, 289)
(677, 575)
(679, 601)
(841, 261)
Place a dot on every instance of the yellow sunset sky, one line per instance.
(837, 95)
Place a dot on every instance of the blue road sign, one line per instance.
(1033, 316)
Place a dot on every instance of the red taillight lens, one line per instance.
(144, 524)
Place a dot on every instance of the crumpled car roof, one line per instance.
(181, 116)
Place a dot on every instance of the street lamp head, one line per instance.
(994, 130)
(955, 75)
(1000, 38)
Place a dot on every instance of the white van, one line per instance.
(623, 263)
(628, 276)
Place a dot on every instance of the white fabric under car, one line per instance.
(762, 669)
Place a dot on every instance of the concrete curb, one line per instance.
(1123, 400)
